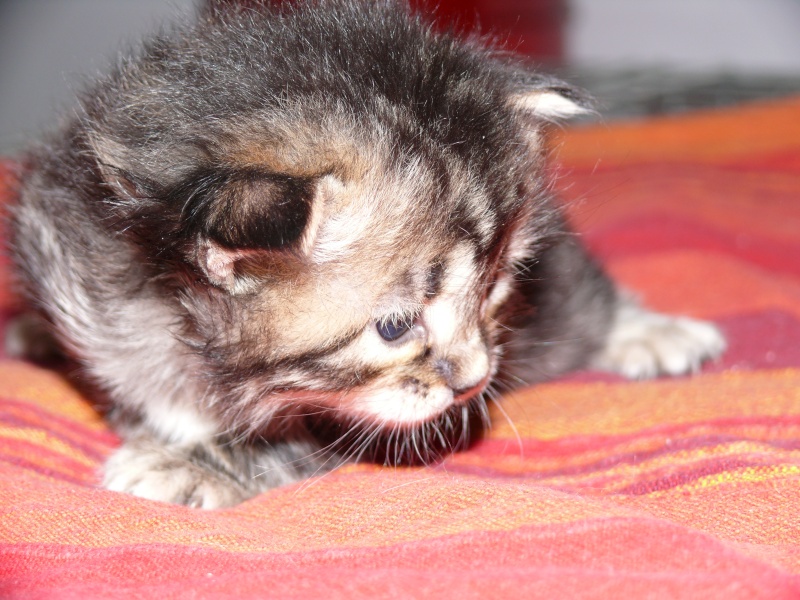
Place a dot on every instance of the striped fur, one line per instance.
(241, 209)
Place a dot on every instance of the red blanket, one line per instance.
(589, 487)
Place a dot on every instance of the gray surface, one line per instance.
(48, 46)
(644, 92)
(752, 37)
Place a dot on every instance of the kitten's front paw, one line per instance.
(171, 474)
(644, 344)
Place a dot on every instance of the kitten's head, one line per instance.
(337, 196)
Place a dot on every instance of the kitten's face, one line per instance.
(341, 235)
(383, 310)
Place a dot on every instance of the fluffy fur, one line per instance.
(279, 238)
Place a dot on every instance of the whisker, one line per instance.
(362, 441)
(366, 445)
(415, 445)
(511, 424)
(463, 439)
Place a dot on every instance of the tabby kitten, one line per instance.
(283, 237)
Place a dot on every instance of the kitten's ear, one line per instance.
(551, 100)
(230, 223)
(249, 208)
(222, 266)
(257, 222)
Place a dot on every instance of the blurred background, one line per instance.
(637, 57)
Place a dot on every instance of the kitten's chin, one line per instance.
(399, 419)
(466, 395)
(415, 404)
(400, 407)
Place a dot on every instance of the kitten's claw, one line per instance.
(644, 344)
(170, 474)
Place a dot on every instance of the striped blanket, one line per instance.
(587, 487)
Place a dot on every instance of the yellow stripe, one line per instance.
(42, 438)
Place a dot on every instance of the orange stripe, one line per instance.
(639, 454)
(37, 438)
(702, 137)
(48, 390)
(357, 510)
(561, 409)
(754, 506)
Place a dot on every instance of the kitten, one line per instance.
(284, 237)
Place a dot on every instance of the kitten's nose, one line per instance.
(463, 387)
(444, 368)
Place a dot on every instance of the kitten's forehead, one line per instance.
(393, 222)
(384, 247)
(401, 171)
(397, 228)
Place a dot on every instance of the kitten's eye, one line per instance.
(393, 329)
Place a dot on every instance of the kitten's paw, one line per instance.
(171, 474)
(644, 344)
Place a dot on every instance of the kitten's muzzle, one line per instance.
(465, 375)
(464, 394)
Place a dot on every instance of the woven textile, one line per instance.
(587, 487)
